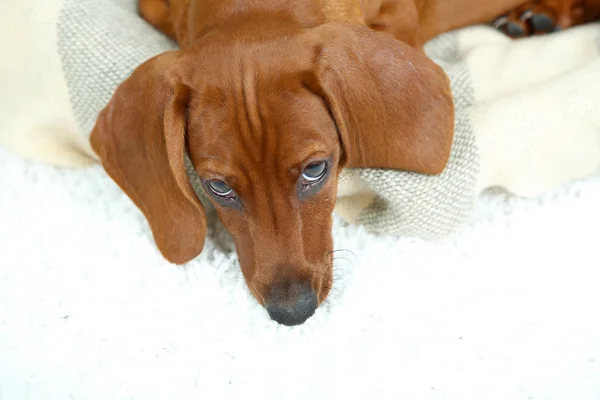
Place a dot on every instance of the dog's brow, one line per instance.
(215, 167)
(312, 151)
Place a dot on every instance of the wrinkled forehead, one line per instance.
(259, 119)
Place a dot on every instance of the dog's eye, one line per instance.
(314, 172)
(220, 189)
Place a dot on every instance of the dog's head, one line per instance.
(268, 126)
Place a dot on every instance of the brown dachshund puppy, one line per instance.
(271, 99)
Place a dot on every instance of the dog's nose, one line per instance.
(291, 303)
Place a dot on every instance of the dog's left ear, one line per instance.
(392, 104)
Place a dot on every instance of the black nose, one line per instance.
(291, 303)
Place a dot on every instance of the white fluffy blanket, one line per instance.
(505, 310)
(89, 309)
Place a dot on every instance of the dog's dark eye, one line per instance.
(221, 189)
(314, 172)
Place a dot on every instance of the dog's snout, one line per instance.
(291, 303)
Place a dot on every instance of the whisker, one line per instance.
(337, 271)
(338, 250)
(338, 266)
(342, 258)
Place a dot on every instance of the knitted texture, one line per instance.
(102, 41)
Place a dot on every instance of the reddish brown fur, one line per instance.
(261, 88)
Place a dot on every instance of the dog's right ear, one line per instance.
(140, 138)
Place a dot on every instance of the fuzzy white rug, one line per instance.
(89, 310)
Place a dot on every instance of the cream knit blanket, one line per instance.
(72, 54)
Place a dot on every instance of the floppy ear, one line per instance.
(392, 104)
(140, 138)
